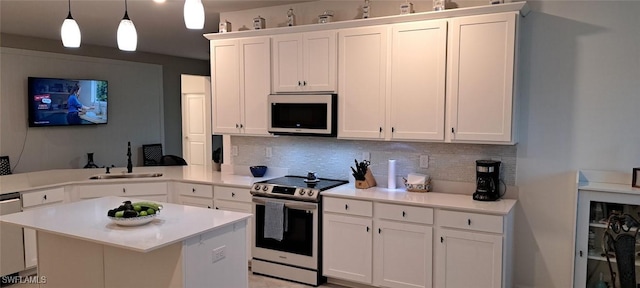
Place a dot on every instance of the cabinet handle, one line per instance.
(403, 213)
(124, 190)
(580, 253)
(299, 83)
(367, 228)
(237, 126)
(193, 190)
(441, 240)
(208, 207)
(469, 222)
(393, 129)
(233, 194)
(346, 207)
(304, 83)
(379, 230)
(380, 129)
(216, 208)
(452, 130)
(44, 197)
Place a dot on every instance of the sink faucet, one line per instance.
(129, 165)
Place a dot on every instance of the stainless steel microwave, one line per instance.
(304, 114)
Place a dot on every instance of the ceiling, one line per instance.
(160, 26)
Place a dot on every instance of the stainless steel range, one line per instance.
(295, 252)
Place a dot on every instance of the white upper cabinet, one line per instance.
(362, 65)
(417, 98)
(480, 93)
(304, 62)
(241, 74)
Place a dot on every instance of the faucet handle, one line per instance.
(108, 172)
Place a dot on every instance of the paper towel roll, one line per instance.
(391, 180)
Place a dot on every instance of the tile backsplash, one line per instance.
(331, 157)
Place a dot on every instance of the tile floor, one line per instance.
(255, 281)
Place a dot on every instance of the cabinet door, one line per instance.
(255, 77)
(320, 61)
(287, 63)
(362, 66)
(481, 67)
(347, 243)
(418, 64)
(225, 86)
(195, 201)
(468, 259)
(403, 254)
(239, 207)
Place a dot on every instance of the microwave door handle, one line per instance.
(290, 205)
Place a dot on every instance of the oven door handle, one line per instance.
(290, 205)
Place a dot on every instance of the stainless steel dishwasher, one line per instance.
(11, 239)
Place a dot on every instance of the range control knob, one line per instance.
(302, 191)
(310, 192)
(265, 188)
(256, 187)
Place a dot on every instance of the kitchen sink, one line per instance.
(127, 175)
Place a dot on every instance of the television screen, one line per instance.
(63, 102)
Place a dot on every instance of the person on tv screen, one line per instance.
(75, 107)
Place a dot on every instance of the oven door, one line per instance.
(299, 245)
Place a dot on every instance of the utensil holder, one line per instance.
(368, 181)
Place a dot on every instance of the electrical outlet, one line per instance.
(218, 254)
(268, 152)
(234, 150)
(366, 156)
(424, 161)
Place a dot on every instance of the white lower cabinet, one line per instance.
(32, 200)
(347, 245)
(152, 191)
(238, 200)
(191, 194)
(472, 250)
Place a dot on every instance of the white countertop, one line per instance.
(60, 177)
(428, 199)
(87, 220)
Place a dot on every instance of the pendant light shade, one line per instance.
(194, 14)
(127, 35)
(70, 31)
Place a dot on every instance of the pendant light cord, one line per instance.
(69, 15)
(126, 14)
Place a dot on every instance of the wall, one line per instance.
(135, 111)
(579, 68)
(172, 68)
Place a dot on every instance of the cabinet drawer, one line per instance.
(195, 190)
(124, 190)
(196, 201)
(233, 206)
(348, 206)
(422, 215)
(470, 221)
(231, 193)
(43, 197)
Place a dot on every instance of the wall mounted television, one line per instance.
(67, 102)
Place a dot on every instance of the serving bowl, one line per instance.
(133, 221)
(258, 171)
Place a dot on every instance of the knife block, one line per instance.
(368, 181)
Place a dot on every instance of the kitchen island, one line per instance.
(79, 246)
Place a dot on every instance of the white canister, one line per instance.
(225, 26)
(406, 8)
(259, 23)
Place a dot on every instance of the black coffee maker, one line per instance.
(487, 180)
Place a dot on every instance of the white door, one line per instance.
(402, 255)
(287, 63)
(362, 66)
(320, 61)
(347, 243)
(418, 64)
(196, 124)
(481, 66)
(468, 259)
(255, 79)
(225, 86)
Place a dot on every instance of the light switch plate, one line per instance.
(424, 161)
(234, 150)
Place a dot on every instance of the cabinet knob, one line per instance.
(304, 83)
(299, 83)
(124, 190)
(216, 208)
(452, 130)
(441, 239)
(208, 207)
(469, 222)
(346, 206)
(193, 190)
(379, 230)
(233, 194)
(241, 125)
(403, 214)
(380, 129)
(237, 126)
(367, 228)
(44, 197)
(393, 129)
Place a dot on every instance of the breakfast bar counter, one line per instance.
(79, 246)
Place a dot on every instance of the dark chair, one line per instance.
(172, 160)
(619, 242)
(5, 165)
(152, 154)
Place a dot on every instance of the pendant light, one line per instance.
(194, 14)
(70, 32)
(127, 35)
